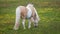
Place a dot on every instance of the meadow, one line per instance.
(49, 13)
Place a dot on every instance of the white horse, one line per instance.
(29, 12)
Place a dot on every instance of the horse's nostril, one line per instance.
(35, 26)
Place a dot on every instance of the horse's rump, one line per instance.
(23, 11)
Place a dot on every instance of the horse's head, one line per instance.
(35, 19)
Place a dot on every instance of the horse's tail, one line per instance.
(18, 13)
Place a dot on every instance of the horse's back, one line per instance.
(26, 12)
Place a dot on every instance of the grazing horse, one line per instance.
(26, 12)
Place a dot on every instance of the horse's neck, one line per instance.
(29, 12)
(32, 9)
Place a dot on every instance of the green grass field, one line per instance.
(49, 13)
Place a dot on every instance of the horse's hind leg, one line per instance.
(23, 23)
(16, 26)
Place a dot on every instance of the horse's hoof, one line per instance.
(15, 28)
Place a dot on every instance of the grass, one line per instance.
(49, 23)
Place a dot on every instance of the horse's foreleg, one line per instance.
(29, 24)
(23, 23)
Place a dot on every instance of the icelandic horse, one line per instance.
(26, 12)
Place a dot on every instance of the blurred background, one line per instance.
(48, 10)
